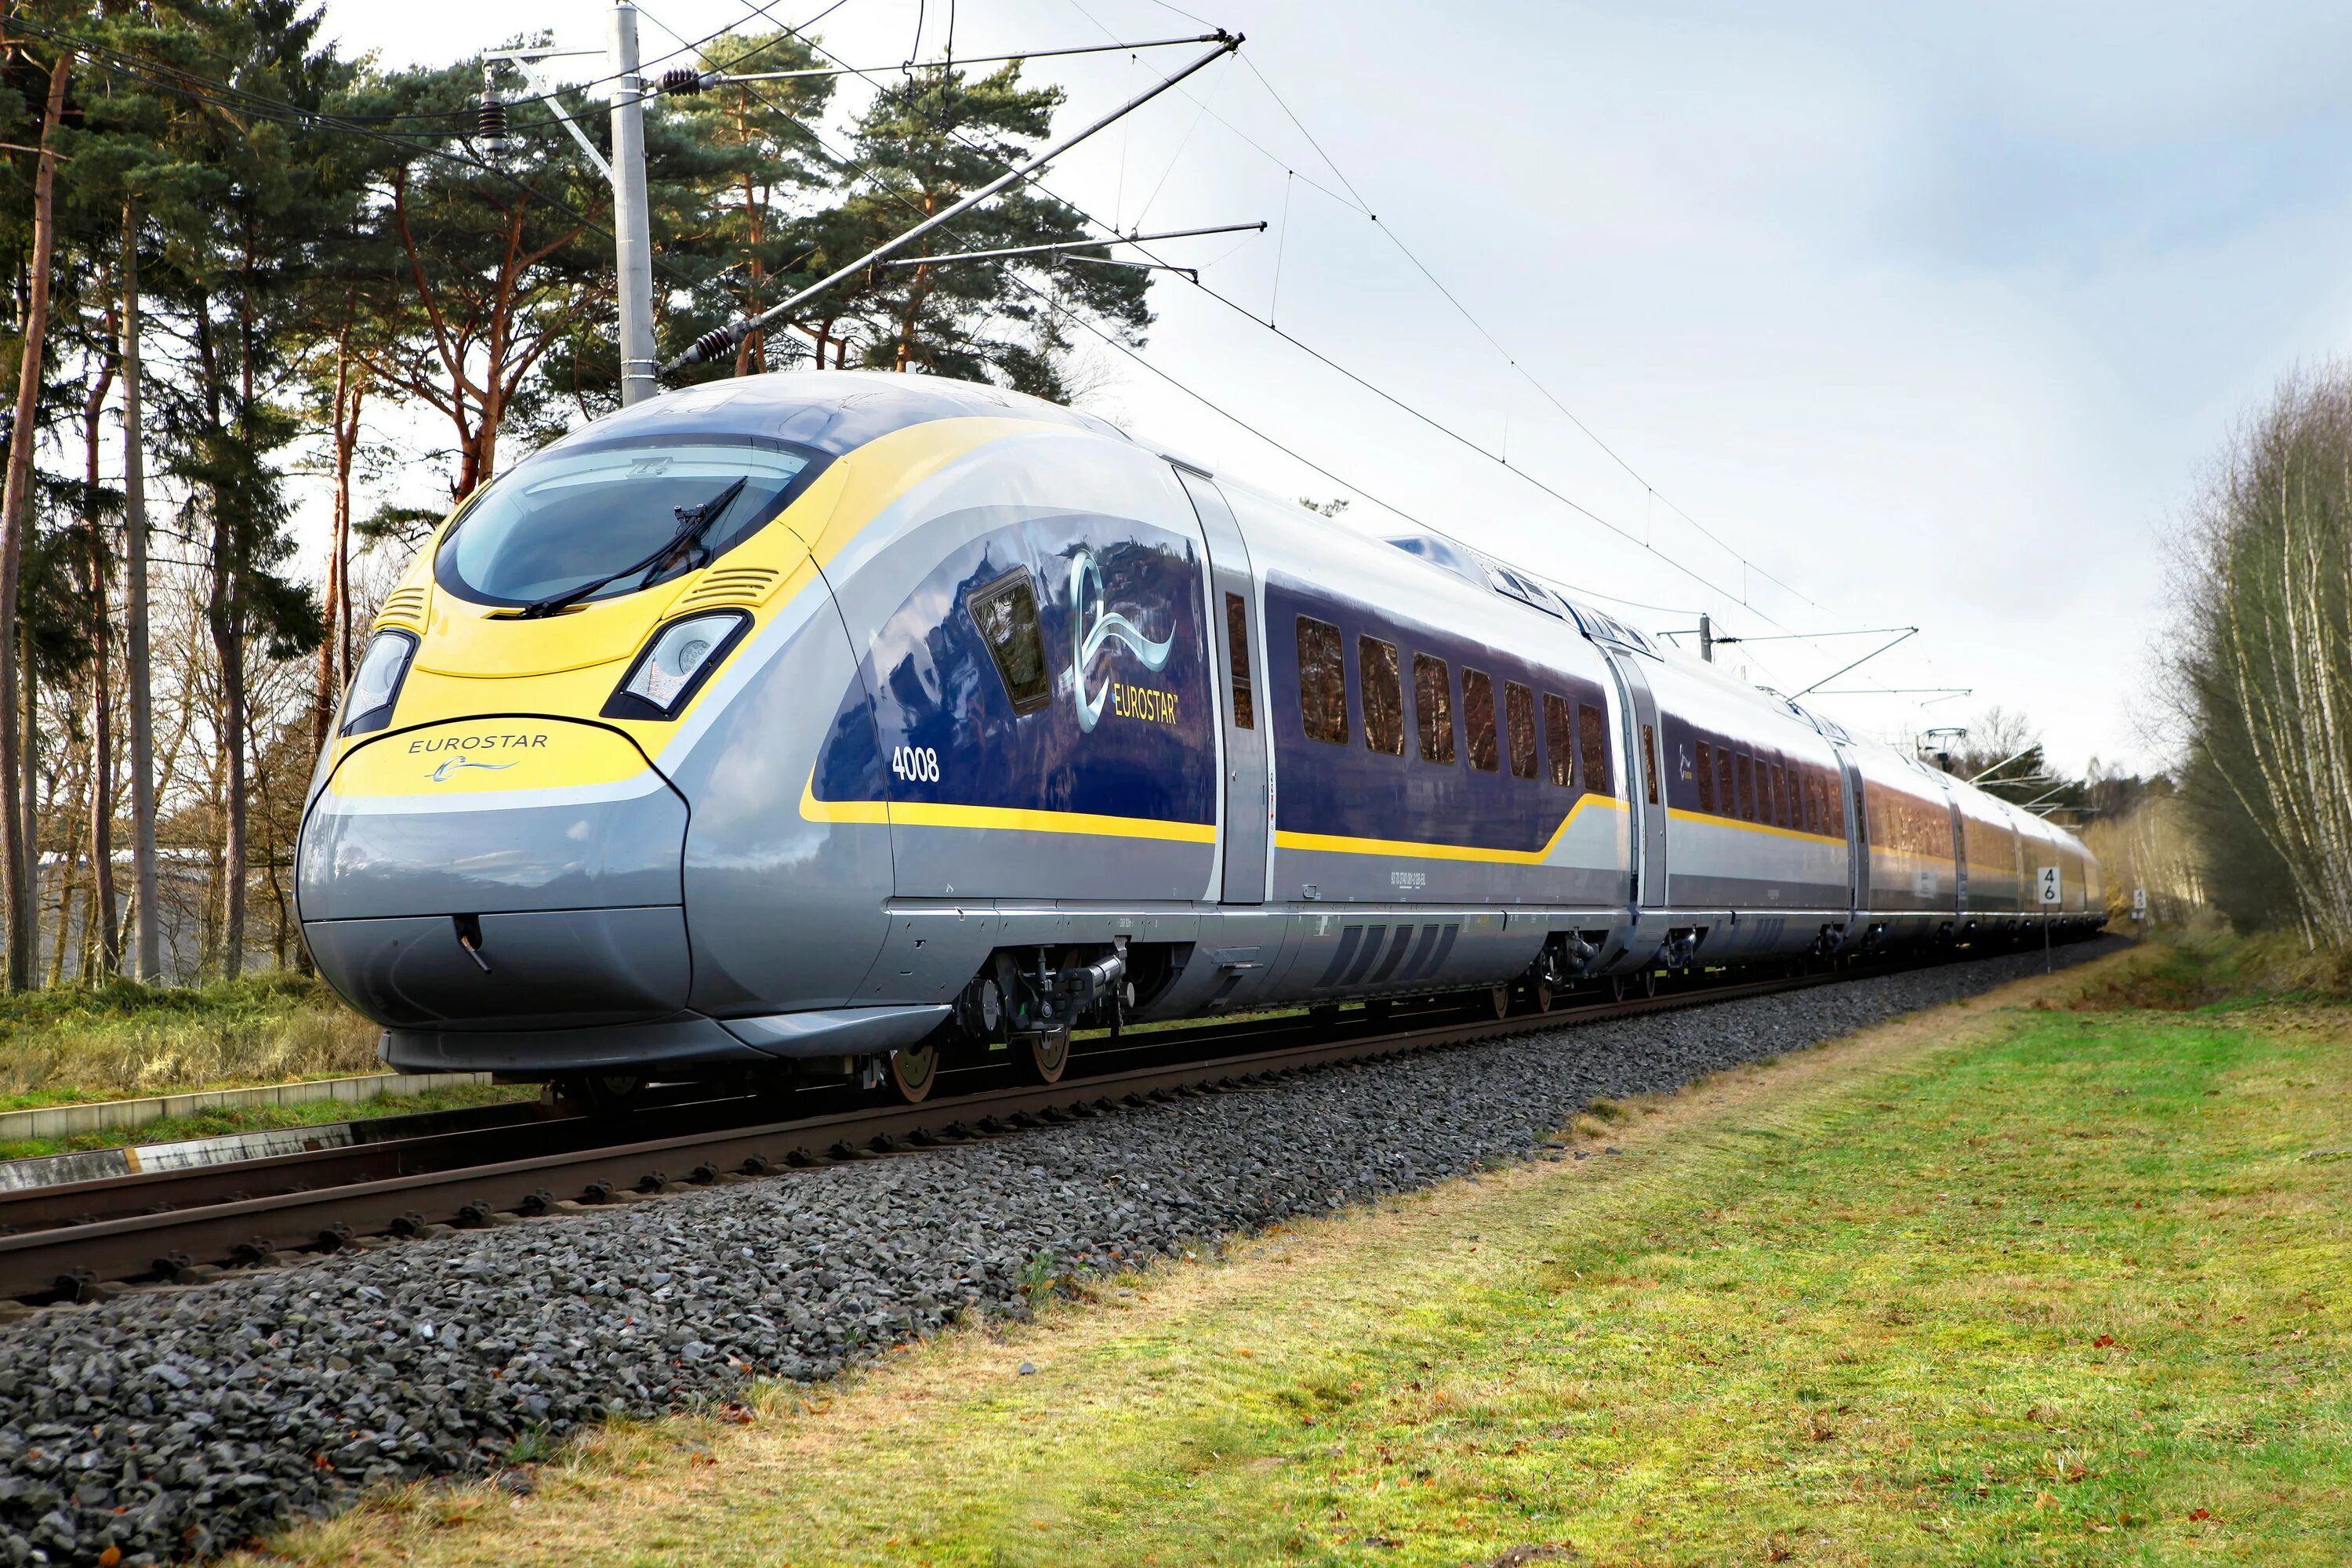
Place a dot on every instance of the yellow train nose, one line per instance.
(496, 870)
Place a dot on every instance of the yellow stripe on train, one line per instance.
(931, 814)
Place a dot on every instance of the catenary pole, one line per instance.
(632, 225)
(723, 340)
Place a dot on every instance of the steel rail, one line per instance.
(397, 1146)
(77, 1261)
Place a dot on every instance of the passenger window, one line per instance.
(1433, 701)
(1383, 689)
(1727, 798)
(1005, 611)
(1780, 796)
(1322, 681)
(1559, 739)
(1478, 719)
(1237, 641)
(1747, 787)
(1835, 784)
(1592, 740)
(1706, 778)
(1650, 763)
(1519, 720)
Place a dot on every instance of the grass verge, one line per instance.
(124, 1039)
(1988, 1285)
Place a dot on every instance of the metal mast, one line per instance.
(632, 224)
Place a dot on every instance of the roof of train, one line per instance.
(833, 411)
(836, 411)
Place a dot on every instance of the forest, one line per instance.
(243, 254)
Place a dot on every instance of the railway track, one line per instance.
(85, 1240)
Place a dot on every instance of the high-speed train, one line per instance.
(848, 722)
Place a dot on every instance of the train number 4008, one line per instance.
(916, 765)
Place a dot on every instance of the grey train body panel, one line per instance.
(558, 968)
(757, 952)
(1445, 778)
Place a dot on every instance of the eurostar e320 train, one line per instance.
(853, 721)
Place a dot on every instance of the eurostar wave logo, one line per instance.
(442, 774)
(1095, 625)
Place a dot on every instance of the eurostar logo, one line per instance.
(1095, 625)
(442, 774)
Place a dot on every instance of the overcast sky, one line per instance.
(1935, 315)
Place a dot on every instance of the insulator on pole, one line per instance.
(492, 129)
(711, 344)
(684, 80)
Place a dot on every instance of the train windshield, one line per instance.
(587, 524)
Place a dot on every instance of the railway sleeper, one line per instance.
(262, 1251)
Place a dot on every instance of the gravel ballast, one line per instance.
(177, 1424)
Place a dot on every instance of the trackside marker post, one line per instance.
(2048, 884)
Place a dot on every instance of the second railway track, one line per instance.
(87, 1240)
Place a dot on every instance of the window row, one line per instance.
(1573, 735)
(1904, 822)
(1797, 795)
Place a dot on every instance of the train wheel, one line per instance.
(1042, 1054)
(1649, 983)
(1498, 1002)
(1540, 993)
(914, 1069)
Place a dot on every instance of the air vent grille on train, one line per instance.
(730, 586)
(405, 608)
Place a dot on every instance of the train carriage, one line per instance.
(844, 722)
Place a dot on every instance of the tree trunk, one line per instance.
(134, 616)
(26, 808)
(106, 934)
(22, 857)
(70, 882)
(335, 647)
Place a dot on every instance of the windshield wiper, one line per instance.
(693, 522)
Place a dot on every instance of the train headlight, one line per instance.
(674, 666)
(375, 685)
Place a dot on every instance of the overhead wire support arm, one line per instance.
(1085, 246)
(1075, 245)
(1192, 272)
(1897, 691)
(1908, 634)
(2021, 751)
(719, 339)
(683, 80)
(1816, 637)
(528, 62)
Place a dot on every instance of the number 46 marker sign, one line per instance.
(2046, 880)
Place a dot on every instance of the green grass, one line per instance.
(1983, 1288)
(124, 1039)
(262, 1118)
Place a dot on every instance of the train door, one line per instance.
(1857, 836)
(1248, 810)
(1646, 782)
(1960, 862)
